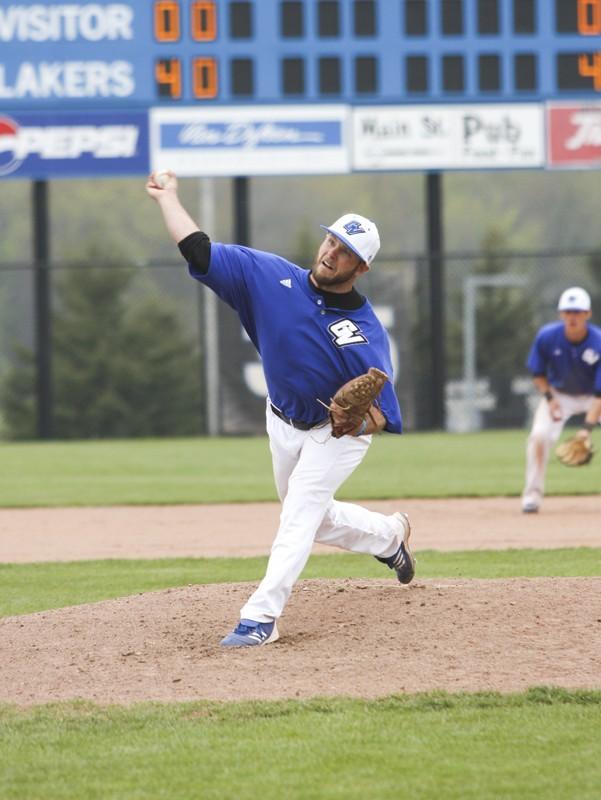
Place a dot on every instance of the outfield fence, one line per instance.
(493, 304)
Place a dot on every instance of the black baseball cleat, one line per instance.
(402, 562)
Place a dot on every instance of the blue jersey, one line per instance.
(308, 349)
(570, 368)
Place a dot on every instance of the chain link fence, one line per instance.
(493, 304)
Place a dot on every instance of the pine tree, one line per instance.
(17, 398)
(121, 364)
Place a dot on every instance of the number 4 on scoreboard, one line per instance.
(589, 66)
(168, 77)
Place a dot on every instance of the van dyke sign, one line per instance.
(258, 140)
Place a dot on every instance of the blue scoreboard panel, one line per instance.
(155, 52)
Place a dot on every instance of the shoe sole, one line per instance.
(407, 526)
(274, 636)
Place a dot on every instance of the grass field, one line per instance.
(232, 470)
(540, 744)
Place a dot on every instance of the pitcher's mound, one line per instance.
(360, 638)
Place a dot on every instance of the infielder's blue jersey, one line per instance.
(308, 349)
(570, 368)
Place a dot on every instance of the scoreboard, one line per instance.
(147, 53)
(380, 50)
(259, 87)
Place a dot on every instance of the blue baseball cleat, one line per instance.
(402, 561)
(250, 634)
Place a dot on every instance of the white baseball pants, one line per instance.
(309, 467)
(544, 434)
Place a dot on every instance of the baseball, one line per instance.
(161, 179)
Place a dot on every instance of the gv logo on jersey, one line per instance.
(344, 332)
(353, 227)
(590, 356)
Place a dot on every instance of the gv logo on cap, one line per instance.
(353, 227)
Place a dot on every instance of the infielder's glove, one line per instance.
(353, 401)
(575, 452)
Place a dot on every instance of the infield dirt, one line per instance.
(360, 638)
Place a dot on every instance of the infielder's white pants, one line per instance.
(309, 466)
(544, 434)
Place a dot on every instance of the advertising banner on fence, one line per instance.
(69, 145)
(448, 137)
(574, 135)
(259, 140)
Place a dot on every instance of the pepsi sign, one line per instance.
(44, 145)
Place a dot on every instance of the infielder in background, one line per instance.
(565, 361)
(313, 331)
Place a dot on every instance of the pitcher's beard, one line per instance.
(329, 282)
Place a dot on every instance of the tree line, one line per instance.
(122, 365)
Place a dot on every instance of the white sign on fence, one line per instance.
(254, 140)
(448, 137)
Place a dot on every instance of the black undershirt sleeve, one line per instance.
(196, 249)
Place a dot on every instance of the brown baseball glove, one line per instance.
(353, 401)
(575, 452)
